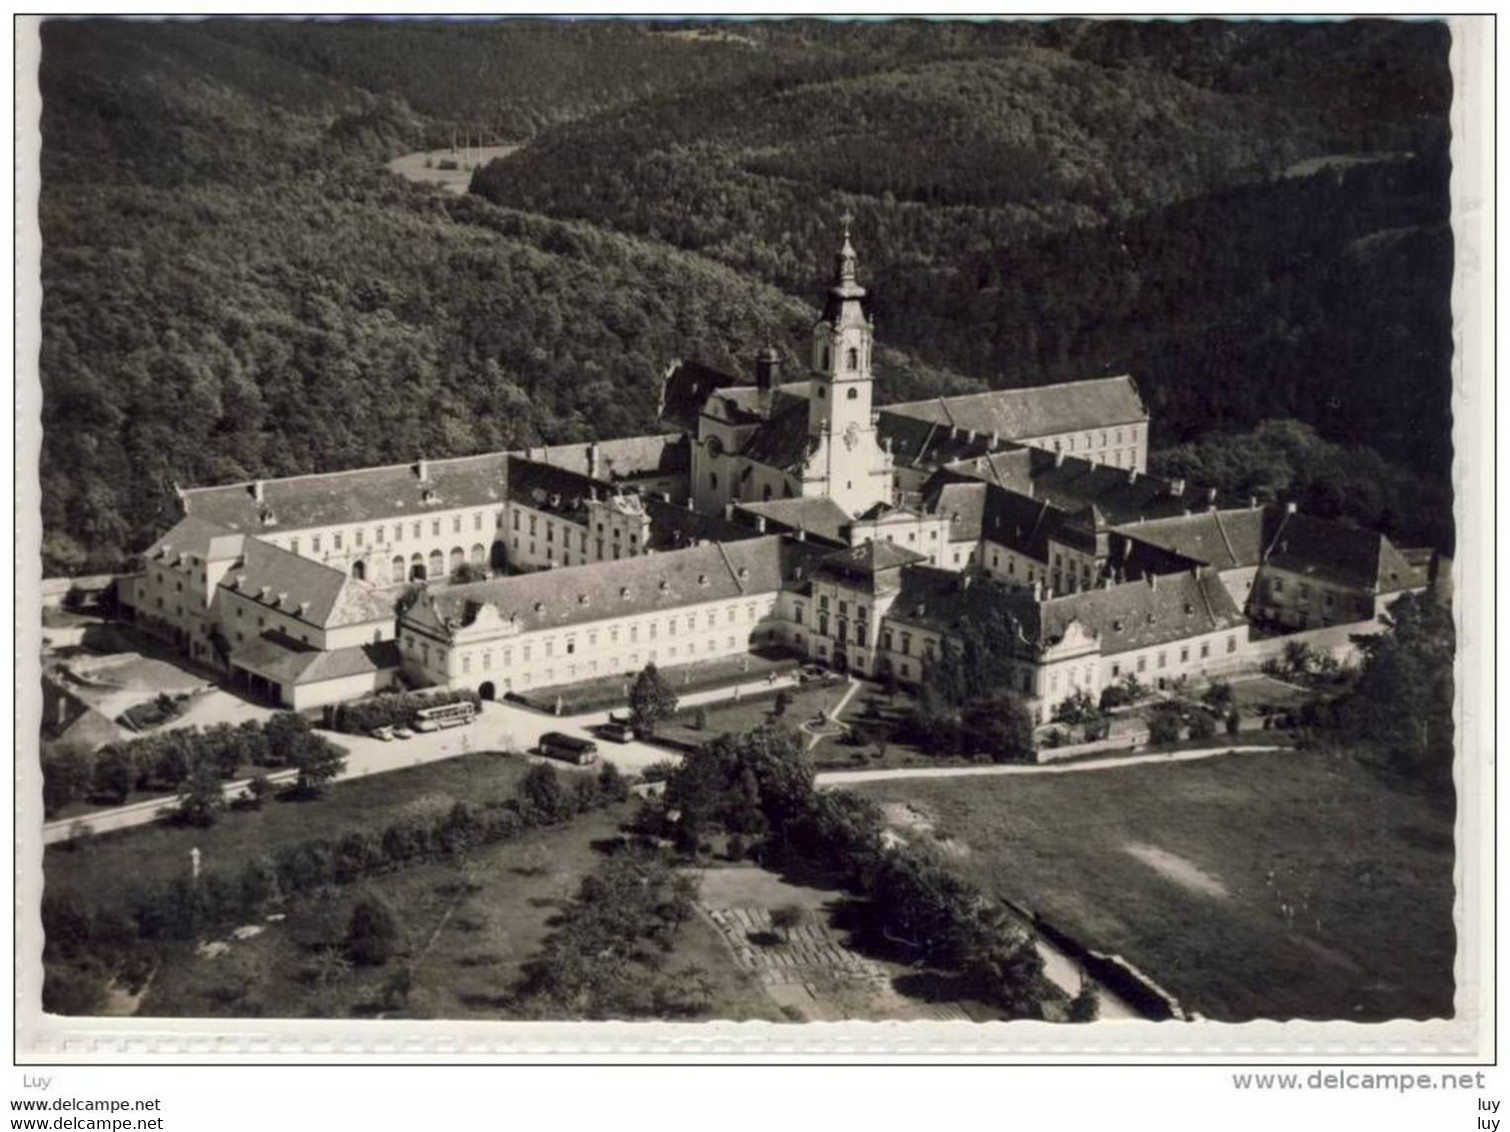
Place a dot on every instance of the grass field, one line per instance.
(161, 850)
(467, 929)
(750, 713)
(1266, 885)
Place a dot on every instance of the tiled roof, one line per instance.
(686, 390)
(576, 595)
(963, 502)
(1337, 553)
(287, 661)
(1227, 539)
(194, 537)
(1038, 411)
(356, 496)
(1157, 610)
(924, 442)
(302, 588)
(869, 559)
(630, 457)
(546, 487)
(818, 515)
(676, 527)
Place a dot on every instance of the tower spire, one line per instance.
(844, 262)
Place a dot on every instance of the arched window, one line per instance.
(437, 564)
(825, 359)
(397, 570)
(479, 555)
(854, 394)
(359, 570)
(765, 492)
(852, 359)
(417, 569)
(458, 557)
(822, 395)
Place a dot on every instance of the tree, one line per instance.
(787, 917)
(1001, 728)
(113, 773)
(1202, 725)
(374, 933)
(201, 796)
(1218, 696)
(1164, 725)
(66, 775)
(651, 700)
(318, 761)
(782, 703)
(542, 794)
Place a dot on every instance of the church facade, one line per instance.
(797, 514)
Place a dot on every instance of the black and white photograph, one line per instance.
(699, 520)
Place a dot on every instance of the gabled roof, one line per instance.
(576, 595)
(676, 527)
(280, 658)
(1038, 411)
(869, 559)
(193, 537)
(926, 442)
(817, 515)
(1158, 610)
(1227, 539)
(1338, 553)
(686, 390)
(963, 503)
(357, 496)
(304, 589)
(545, 487)
(628, 458)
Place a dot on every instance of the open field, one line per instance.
(430, 168)
(1264, 885)
(161, 850)
(468, 928)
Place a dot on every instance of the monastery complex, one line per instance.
(772, 513)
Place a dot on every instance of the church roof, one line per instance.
(782, 442)
(1037, 411)
(356, 496)
(686, 389)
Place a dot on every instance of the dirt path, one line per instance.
(831, 778)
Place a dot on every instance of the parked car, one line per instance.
(402, 733)
(810, 672)
(568, 748)
(616, 730)
(385, 733)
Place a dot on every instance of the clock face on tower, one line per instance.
(852, 434)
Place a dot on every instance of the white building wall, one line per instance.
(375, 543)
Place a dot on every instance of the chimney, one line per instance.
(1290, 507)
(1176, 487)
(1132, 475)
(422, 469)
(1153, 581)
(1058, 457)
(995, 438)
(964, 582)
(665, 496)
(760, 523)
(1211, 497)
(1252, 502)
(801, 534)
(262, 594)
(689, 503)
(728, 510)
(592, 461)
(257, 492)
(970, 435)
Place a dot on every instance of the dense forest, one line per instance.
(235, 286)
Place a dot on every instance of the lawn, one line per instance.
(467, 930)
(161, 850)
(613, 691)
(1265, 885)
(749, 713)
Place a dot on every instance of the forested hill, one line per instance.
(1250, 218)
(234, 286)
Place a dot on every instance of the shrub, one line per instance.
(374, 934)
(1234, 722)
(1164, 726)
(395, 709)
(357, 854)
(1202, 725)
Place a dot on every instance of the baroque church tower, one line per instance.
(848, 463)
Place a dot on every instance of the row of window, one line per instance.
(381, 536)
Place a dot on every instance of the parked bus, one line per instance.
(568, 748)
(446, 715)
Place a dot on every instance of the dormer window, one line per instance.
(540, 607)
(665, 585)
(581, 599)
(624, 592)
(702, 579)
